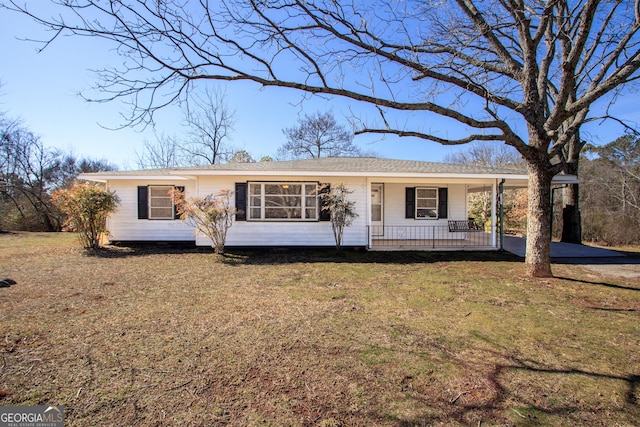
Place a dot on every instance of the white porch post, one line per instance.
(494, 224)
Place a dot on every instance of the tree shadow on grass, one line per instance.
(273, 256)
(605, 284)
(508, 400)
(146, 249)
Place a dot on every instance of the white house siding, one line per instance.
(394, 204)
(289, 233)
(124, 224)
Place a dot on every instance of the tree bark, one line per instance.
(538, 250)
(571, 217)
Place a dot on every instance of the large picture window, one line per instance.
(426, 203)
(161, 202)
(296, 201)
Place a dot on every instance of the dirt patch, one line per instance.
(616, 270)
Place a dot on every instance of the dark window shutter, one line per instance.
(443, 194)
(180, 188)
(325, 213)
(143, 202)
(241, 201)
(410, 204)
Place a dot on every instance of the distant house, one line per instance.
(401, 204)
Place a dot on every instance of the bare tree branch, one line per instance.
(528, 72)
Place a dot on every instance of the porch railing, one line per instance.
(429, 237)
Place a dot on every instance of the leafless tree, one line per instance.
(29, 172)
(524, 72)
(611, 192)
(164, 152)
(210, 121)
(483, 154)
(318, 135)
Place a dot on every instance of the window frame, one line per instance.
(436, 209)
(303, 195)
(150, 206)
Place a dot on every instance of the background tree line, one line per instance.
(30, 172)
(208, 140)
(610, 192)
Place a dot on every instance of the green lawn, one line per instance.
(293, 338)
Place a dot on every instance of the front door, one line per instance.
(377, 209)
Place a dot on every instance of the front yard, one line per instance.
(292, 338)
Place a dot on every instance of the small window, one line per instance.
(161, 202)
(426, 203)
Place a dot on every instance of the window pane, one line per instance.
(292, 189)
(254, 213)
(282, 213)
(255, 189)
(311, 213)
(292, 201)
(161, 212)
(376, 213)
(426, 213)
(310, 190)
(426, 203)
(275, 213)
(376, 196)
(159, 191)
(310, 202)
(255, 201)
(164, 202)
(426, 192)
(273, 201)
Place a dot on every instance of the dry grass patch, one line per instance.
(183, 337)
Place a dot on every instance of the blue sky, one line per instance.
(42, 90)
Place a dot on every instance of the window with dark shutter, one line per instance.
(443, 195)
(241, 201)
(410, 202)
(143, 202)
(155, 202)
(175, 211)
(324, 214)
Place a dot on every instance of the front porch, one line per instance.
(430, 238)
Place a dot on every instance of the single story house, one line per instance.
(401, 204)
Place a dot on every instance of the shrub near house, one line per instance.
(87, 207)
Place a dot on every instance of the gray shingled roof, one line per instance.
(333, 164)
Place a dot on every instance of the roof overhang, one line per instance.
(106, 177)
(510, 180)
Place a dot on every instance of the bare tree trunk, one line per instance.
(571, 217)
(538, 251)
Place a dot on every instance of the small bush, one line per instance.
(211, 215)
(87, 207)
